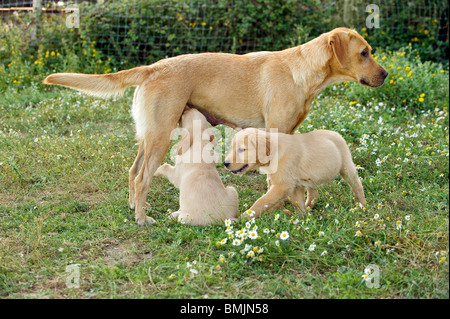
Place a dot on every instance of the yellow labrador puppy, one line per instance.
(203, 198)
(302, 162)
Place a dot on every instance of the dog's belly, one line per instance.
(234, 121)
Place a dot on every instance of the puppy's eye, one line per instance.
(365, 54)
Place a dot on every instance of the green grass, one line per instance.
(64, 164)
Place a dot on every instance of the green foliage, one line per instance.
(24, 61)
(411, 83)
(63, 200)
(143, 31)
(133, 32)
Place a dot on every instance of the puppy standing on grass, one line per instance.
(304, 161)
(203, 198)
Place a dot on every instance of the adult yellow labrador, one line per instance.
(260, 89)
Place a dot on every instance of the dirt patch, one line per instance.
(126, 253)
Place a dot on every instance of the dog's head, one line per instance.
(351, 58)
(250, 148)
(194, 126)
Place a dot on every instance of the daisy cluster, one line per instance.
(248, 241)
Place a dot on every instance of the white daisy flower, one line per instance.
(284, 235)
(253, 234)
(193, 271)
(237, 242)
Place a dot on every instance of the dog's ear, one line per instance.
(263, 147)
(185, 142)
(339, 42)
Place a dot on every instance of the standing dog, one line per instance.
(203, 198)
(304, 161)
(260, 89)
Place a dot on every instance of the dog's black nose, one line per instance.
(226, 163)
(384, 74)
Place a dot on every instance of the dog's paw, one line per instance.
(248, 214)
(147, 221)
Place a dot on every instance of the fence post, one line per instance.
(37, 9)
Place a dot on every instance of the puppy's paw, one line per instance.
(149, 221)
(248, 214)
(174, 215)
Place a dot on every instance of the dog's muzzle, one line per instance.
(240, 170)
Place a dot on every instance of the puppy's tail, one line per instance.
(101, 85)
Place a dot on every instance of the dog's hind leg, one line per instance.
(350, 175)
(156, 145)
(134, 170)
(156, 116)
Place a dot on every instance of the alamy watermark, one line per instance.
(73, 17)
(372, 276)
(73, 276)
(373, 19)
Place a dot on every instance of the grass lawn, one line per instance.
(64, 164)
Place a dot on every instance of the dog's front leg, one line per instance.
(269, 201)
(298, 198)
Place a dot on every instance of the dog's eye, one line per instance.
(365, 54)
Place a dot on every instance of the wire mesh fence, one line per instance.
(140, 32)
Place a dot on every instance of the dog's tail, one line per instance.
(102, 85)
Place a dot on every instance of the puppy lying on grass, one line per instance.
(203, 198)
(293, 164)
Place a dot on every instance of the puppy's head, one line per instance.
(250, 148)
(351, 58)
(194, 126)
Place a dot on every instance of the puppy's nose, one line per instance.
(384, 73)
(226, 163)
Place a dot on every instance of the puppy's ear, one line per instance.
(263, 148)
(185, 142)
(339, 43)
